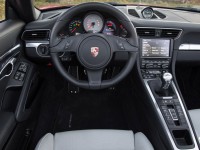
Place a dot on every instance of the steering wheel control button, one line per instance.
(121, 45)
(94, 52)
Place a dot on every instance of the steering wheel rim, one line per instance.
(108, 45)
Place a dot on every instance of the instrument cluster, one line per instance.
(94, 22)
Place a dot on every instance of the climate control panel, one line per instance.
(155, 63)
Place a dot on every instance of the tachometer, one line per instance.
(93, 23)
(75, 27)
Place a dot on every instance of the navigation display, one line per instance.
(155, 47)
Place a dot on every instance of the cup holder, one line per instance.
(182, 137)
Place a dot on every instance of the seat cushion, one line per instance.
(95, 140)
(195, 117)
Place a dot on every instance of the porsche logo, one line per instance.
(95, 51)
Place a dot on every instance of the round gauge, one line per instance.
(93, 23)
(75, 27)
(123, 31)
(147, 13)
(109, 28)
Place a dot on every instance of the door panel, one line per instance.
(10, 31)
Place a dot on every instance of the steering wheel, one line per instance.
(94, 50)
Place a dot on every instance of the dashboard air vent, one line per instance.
(133, 12)
(145, 32)
(34, 35)
(170, 33)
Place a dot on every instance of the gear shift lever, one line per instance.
(166, 80)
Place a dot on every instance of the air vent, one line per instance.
(133, 12)
(170, 33)
(164, 33)
(34, 35)
(145, 32)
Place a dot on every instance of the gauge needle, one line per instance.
(73, 30)
(92, 25)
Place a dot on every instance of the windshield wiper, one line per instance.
(188, 9)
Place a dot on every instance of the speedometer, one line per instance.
(93, 23)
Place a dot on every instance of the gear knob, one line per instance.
(166, 80)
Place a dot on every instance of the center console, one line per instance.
(155, 67)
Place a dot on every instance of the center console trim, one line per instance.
(163, 120)
(188, 47)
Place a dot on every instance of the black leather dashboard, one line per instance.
(188, 22)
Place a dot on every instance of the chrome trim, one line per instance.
(35, 45)
(11, 61)
(186, 47)
(181, 30)
(163, 120)
(9, 52)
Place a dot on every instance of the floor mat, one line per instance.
(61, 111)
(89, 110)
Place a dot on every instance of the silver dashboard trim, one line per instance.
(163, 120)
(187, 47)
(35, 45)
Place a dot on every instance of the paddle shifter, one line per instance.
(166, 80)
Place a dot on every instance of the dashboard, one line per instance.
(171, 32)
(94, 22)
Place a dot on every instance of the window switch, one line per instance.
(17, 75)
(21, 78)
(23, 67)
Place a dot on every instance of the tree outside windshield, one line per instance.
(2, 10)
(45, 4)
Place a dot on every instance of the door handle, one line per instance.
(7, 68)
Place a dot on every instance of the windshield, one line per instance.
(45, 4)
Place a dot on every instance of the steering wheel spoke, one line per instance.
(68, 44)
(120, 44)
(94, 78)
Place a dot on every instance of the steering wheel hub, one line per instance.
(94, 52)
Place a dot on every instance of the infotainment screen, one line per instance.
(155, 47)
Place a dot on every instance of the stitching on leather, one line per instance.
(42, 140)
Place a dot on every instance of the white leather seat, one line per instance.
(195, 117)
(95, 140)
